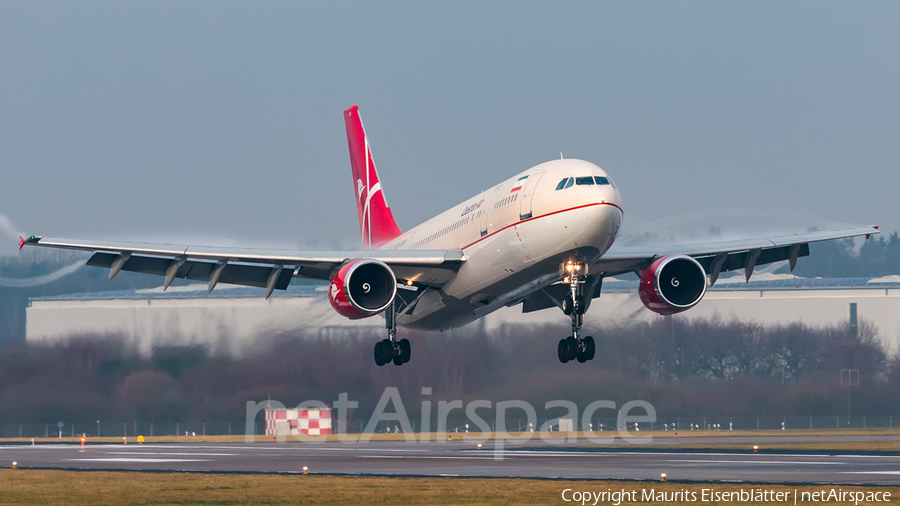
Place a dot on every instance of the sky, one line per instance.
(220, 122)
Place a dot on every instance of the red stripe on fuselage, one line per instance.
(544, 216)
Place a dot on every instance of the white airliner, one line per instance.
(543, 238)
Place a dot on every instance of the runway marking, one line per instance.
(791, 462)
(173, 453)
(653, 454)
(871, 472)
(274, 448)
(344, 449)
(136, 460)
(420, 457)
(542, 454)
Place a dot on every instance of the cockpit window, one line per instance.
(601, 179)
(584, 180)
(565, 183)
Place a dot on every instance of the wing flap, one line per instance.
(735, 261)
(236, 274)
(772, 249)
(252, 267)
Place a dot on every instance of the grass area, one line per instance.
(24, 486)
(471, 436)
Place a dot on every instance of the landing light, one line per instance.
(409, 282)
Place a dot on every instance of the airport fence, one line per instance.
(453, 425)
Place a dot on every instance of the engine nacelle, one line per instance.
(672, 284)
(362, 288)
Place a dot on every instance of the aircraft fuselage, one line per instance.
(515, 236)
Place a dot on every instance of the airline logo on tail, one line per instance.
(376, 222)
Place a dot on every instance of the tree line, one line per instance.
(683, 367)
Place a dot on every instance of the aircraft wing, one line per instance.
(721, 256)
(270, 269)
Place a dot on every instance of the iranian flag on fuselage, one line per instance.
(519, 183)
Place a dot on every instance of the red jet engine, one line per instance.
(672, 284)
(362, 288)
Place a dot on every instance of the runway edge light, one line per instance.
(15, 465)
(662, 477)
(305, 469)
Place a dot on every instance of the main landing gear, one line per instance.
(575, 347)
(390, 349)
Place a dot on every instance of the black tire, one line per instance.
(589, 348)
(581, 357)
(567, 306)
(572, 346)
(379, 354)
(562, 351)
(405, 350)
(580, 307)
(398, 360)
(387, 351)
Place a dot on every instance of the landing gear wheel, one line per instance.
(404, 350)
(562, 351)
(589, 348)
(571, 348)
(387, 350)
(398, 360)
(567, 306)
(379, 354)
(581, 357)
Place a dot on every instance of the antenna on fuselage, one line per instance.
(561, 156)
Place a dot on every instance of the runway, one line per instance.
(529, 459)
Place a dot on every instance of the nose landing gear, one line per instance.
(574, 306)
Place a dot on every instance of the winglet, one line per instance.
(873, 226)
(31, 240)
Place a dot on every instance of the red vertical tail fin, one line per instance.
(376, 222)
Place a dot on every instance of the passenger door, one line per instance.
(485, 213)
(528, 195)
